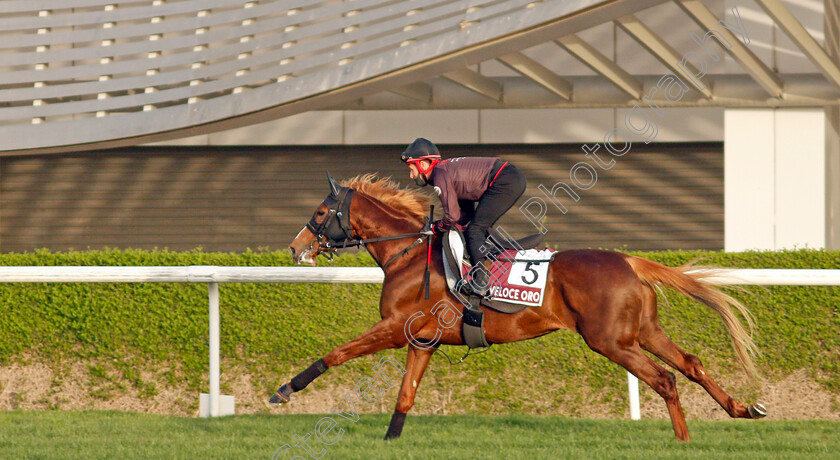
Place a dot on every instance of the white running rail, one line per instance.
(212, 275)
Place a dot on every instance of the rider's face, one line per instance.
(414, 172)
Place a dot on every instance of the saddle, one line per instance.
(512, 258)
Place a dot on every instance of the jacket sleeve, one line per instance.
(449, 200)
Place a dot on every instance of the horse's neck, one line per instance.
(373, 219)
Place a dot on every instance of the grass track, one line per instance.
(98, 434)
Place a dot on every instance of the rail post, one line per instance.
(213, 289)
(633, 391)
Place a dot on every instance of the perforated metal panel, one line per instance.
(103, 72)
(660, 196)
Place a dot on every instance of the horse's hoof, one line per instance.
(277, 398)
(281, 396)
(757, 411)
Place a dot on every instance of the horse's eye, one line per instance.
(320, 213)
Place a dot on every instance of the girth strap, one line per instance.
(473, 325)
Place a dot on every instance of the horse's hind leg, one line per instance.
(654, 340)
(661, 380)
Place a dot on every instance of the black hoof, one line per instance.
(282, 395)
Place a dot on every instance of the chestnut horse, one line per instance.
(605, 296)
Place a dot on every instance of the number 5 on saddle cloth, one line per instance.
(517, 278)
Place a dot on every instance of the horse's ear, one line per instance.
(334, 187)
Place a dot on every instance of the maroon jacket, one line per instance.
(460, 182)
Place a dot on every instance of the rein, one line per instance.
(388, 238)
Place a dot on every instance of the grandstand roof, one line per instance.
(83, 74)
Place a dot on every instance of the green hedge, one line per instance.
(274, 330)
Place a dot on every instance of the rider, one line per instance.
(461, 182)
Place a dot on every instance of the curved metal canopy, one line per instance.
(82, 74)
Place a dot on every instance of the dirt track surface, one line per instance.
(36, 386)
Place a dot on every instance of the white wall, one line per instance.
(403, 126)
(749, 180)
(535, 126)
(800, 178)
(777, 176)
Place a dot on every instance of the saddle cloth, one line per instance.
(519, 277)
(515, 276)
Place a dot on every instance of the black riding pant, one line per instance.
(501, 196)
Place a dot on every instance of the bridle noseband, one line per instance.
(335, 232)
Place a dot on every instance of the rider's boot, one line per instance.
(480, 283)
(473, 327)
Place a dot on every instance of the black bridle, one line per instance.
(335, 229)
(334, 232)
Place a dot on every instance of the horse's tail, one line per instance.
(693, 285)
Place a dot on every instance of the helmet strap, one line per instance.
(426, 171)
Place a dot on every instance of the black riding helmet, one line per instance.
(420, 149)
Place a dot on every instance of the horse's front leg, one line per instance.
(418, 359)
(384, 334)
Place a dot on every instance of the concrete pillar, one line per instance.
(779, 176)
(800, 178)
(748, 179)
(832, 131)
(832, 154)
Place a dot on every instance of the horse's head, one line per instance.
(328, 228)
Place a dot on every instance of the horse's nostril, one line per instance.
(292, 250)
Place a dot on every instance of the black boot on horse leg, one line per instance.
(384, 334)
(299, 382)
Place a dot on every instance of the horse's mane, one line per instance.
(412, 202)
